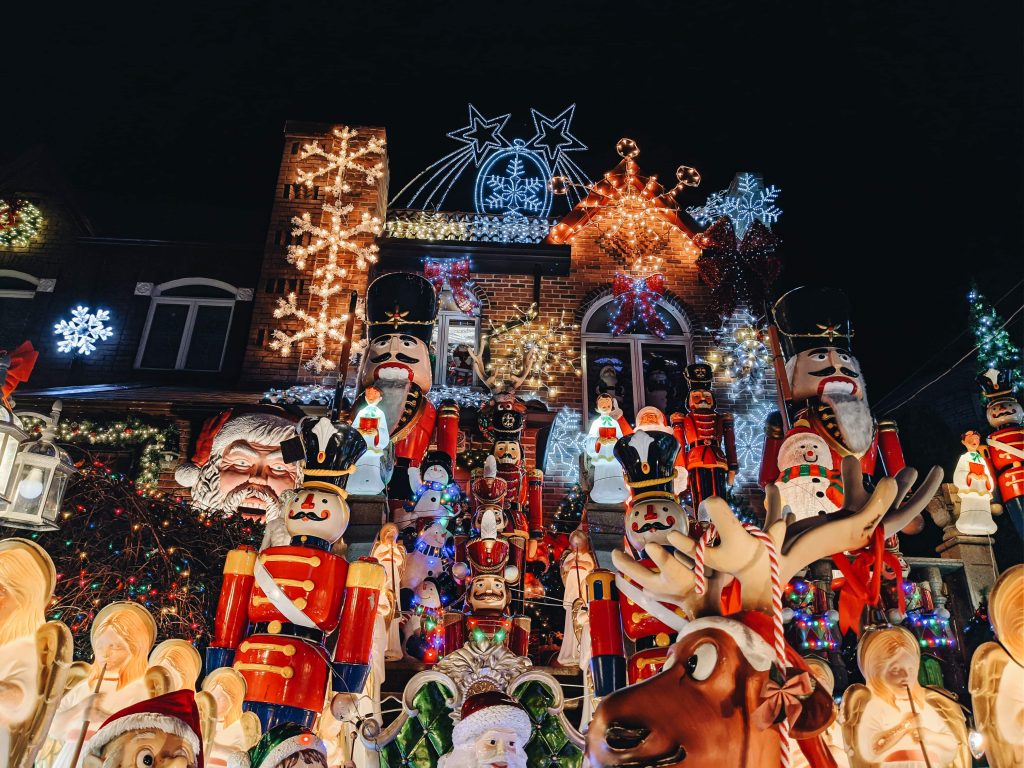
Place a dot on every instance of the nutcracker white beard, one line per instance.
(853, 417)
(394, 390)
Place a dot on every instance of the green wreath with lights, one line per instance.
(20, 222)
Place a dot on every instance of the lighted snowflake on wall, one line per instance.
(745, 201)
(514, 181)
(83, 331)
(749, 428)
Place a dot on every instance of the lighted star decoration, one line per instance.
(539, 352)
(481, 133)
(633, 213)
(555, 140)
(83, 330)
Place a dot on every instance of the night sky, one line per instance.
(893, 128)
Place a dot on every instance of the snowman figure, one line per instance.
(373, 469)
(420, 607)
(808, 481)
(429, 504)
(427, 557)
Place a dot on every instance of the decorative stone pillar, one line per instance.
(975, 552)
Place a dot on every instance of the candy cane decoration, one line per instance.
(700, 581)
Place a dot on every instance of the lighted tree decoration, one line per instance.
(332, 243)
(634, 214)
(569, 514)
(995, 346)
(118, 543)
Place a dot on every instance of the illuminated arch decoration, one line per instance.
(20, 222)
(501, 185)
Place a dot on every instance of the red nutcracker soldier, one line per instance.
(825, 379)
(487, 619)
(400, 312)
(278, 606)
(648, 459)
(1006, 444)
(706, 436)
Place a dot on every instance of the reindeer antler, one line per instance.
(741, 556)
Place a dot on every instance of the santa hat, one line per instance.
(173, 712)
(219, 431)
(279, 743)
(752, 631)
(482, 712)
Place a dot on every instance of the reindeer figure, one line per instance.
(709, 701)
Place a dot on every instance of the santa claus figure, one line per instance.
(809, 483)
(1006, 444)
(400, 313)
(492, 732)
(609, 486)
(975, 485)
(373, 469)
(238, 466)
(284, 746)
(651, 419)
(826, 383)
(162, 732)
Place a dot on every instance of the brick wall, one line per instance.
(277, 277)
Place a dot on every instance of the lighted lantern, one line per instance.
(38, 480)
(11, 438)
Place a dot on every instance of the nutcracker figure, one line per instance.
(400, 312)
(706, 436)
(824, 379)
(1006, 444)
(278, 606)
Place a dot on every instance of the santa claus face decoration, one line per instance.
(651, 520)
(499, 747)
(487, 592)
(316, 512)
(150, 748)
(825, 371)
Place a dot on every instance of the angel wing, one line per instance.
(850, 713)
(987, 666)
(54, 647)
(953, 715)
(158, 681)
(251, 728)
(207, 707)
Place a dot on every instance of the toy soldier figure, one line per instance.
(707, 438)
(277, 607)
(1006, 444)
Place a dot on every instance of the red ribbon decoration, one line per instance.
(862, 581)
(737, 271)
(781, 700)
(636, 296)
(19, 365)
(456, 273)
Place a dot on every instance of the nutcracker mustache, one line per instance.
(398, 356)
(653, 526)
(308, 516)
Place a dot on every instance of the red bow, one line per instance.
(20, 363)
(781, 699)
(456, 273)
(636, 296)
(862, 582)
(737, 271)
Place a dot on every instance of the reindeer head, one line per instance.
(701, 705)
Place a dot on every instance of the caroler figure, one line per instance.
(975, 484)
(277, 607)
(707, 438)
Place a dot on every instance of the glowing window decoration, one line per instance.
(634, 214)
(513, 181)
(745, 201)
(740, 355)
(83, 330)
(330, 241)
(749, 429)
(20, 222)
(467, 227)
(565, 444)
(498, 185)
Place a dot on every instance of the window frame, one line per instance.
(19, 293)
(444, 317)
(193, 303)
(636, 342)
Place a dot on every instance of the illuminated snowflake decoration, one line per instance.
(749, 428)
(513, 192)
(745, 201)
(83, 331)
(565, 444)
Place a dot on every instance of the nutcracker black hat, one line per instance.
(507, 426)
(401, 302)
(699, 376)
(813, 316)
(995, 384)
(331, 452)
(649, 461)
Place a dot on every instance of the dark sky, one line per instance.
(893, 128)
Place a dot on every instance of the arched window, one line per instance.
(636, 367)
(456, 334)
(187, 326)
(16, 316)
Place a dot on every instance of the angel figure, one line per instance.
(181, 660)
(997, 674)
(34, 655)
(121, 636)
(236, 731)
(893, 720)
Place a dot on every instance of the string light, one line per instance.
(513, 182)
(634, 214)
(995, 345)
(329, 241)
(540, 350)
(745, 201)
(740, 355)
(466, 227)
(20, 222)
